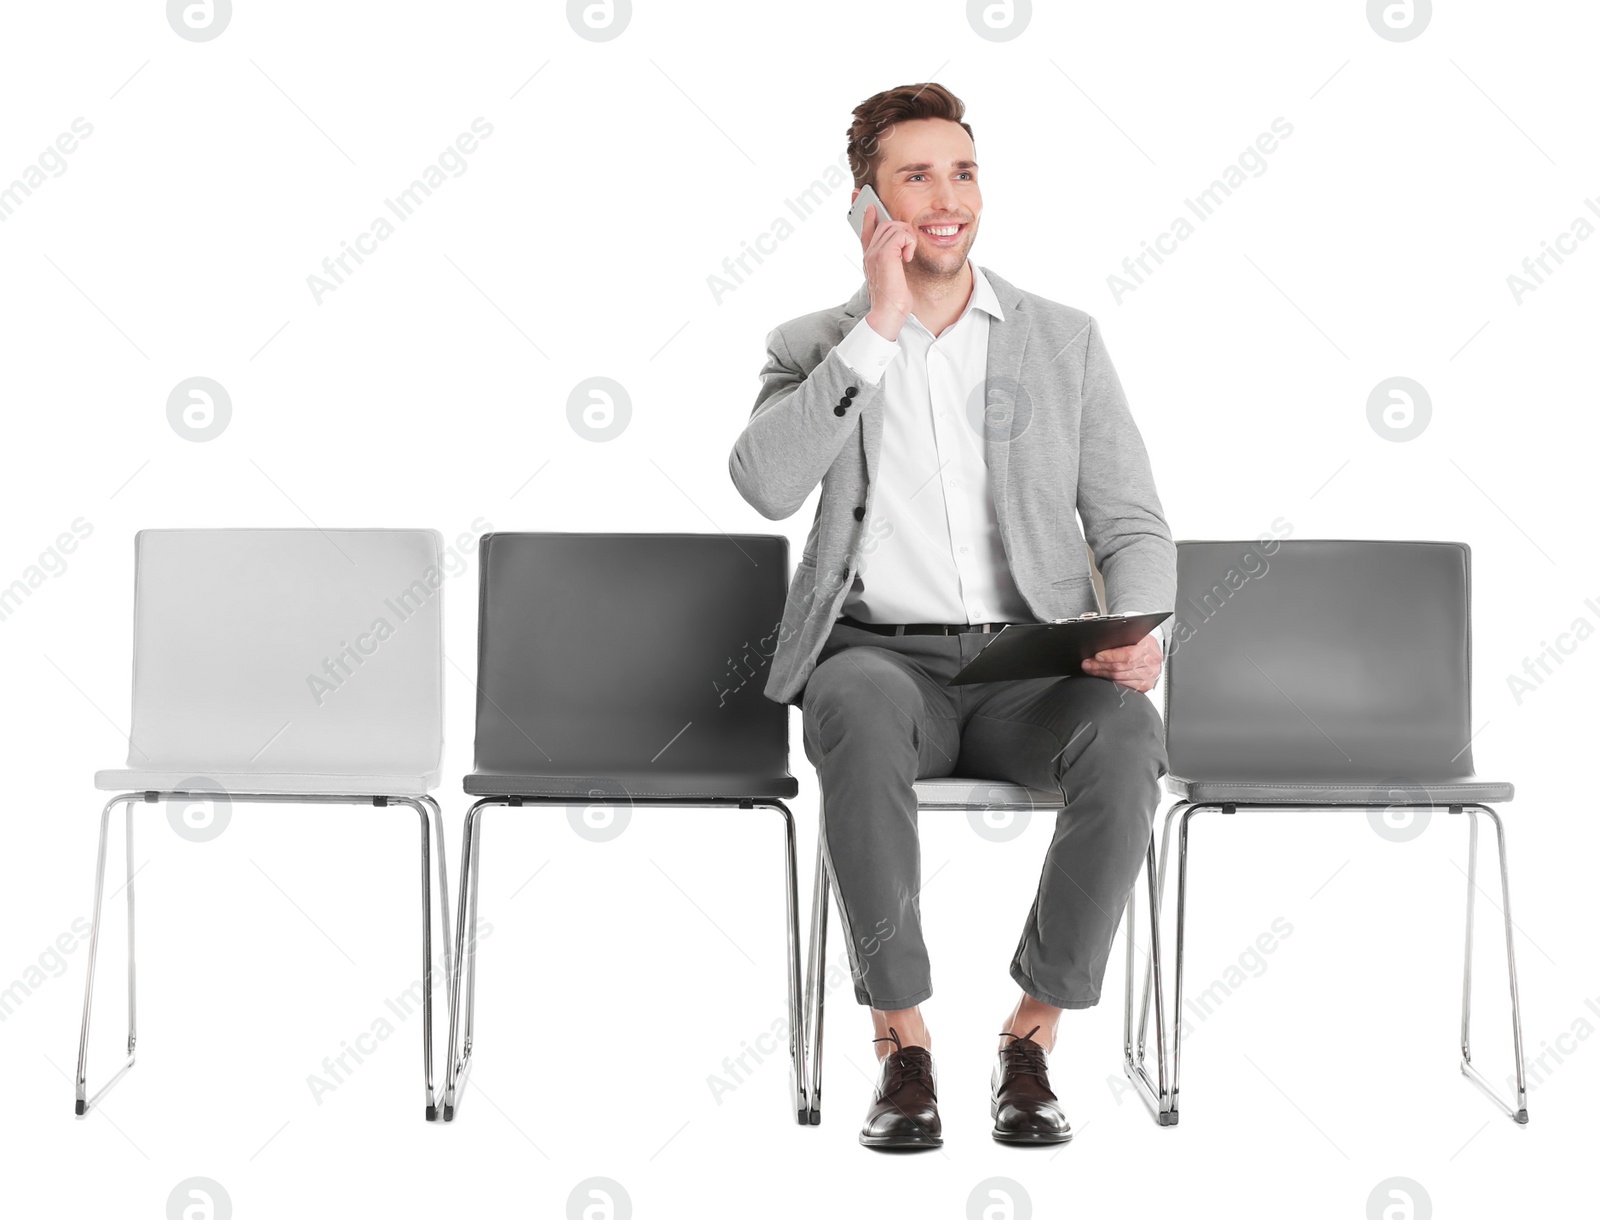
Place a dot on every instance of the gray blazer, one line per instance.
(1059, 440)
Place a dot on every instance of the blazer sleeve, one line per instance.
(799, 425)
(1122, 518)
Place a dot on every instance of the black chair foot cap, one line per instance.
(449, 1113)
(431, 1113)
(82, 1107)
(816, 1116)
(1522, 1117)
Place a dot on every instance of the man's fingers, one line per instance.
(1124, 653)
(1119, 671)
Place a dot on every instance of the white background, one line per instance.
(430, 390)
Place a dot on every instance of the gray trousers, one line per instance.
(879, 715)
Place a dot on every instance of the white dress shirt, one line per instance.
(932, 551)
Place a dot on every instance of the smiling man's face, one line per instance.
(928, 177)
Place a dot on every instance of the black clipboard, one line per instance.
(1056, 649)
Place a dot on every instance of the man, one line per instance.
(959, 427)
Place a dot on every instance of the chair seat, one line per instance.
(269, 784)
(686, 786)
(954, 792)
(1461, 790)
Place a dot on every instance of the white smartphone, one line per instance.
(858, 210)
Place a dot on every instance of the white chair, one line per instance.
(298, 666)
(970, 795)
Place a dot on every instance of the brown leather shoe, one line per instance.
(1025, 1110)
(905, 1110)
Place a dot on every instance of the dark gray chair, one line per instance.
(1330, 674)
(625, 670)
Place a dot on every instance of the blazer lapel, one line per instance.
(1008, 339)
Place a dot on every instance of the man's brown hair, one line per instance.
(882, 111)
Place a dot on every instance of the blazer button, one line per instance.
(850, 391)
(838, 410)
(844, 402)
(860, 513)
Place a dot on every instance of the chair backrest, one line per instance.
(1320, 659)
(629, 654)
(287, 651)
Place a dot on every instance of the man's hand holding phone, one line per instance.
(887, 246)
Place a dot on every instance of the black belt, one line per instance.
(922, 628)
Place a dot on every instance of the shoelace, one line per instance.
(1024, 1057)
(906, 1065)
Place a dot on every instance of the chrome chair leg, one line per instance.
(797, 1036)
(1519, 1110)
(83, 1103)
(470, 980)
(1177, 950)
(465, 954)
(436, 817)
(816, 980)
(432, 824)
(1161, 885)
(1158, 1098)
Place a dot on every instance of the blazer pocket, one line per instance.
(1076, 594)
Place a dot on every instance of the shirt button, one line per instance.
(860, 512)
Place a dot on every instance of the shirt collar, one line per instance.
(982, 297)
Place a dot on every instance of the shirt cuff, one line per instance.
(866, 352)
